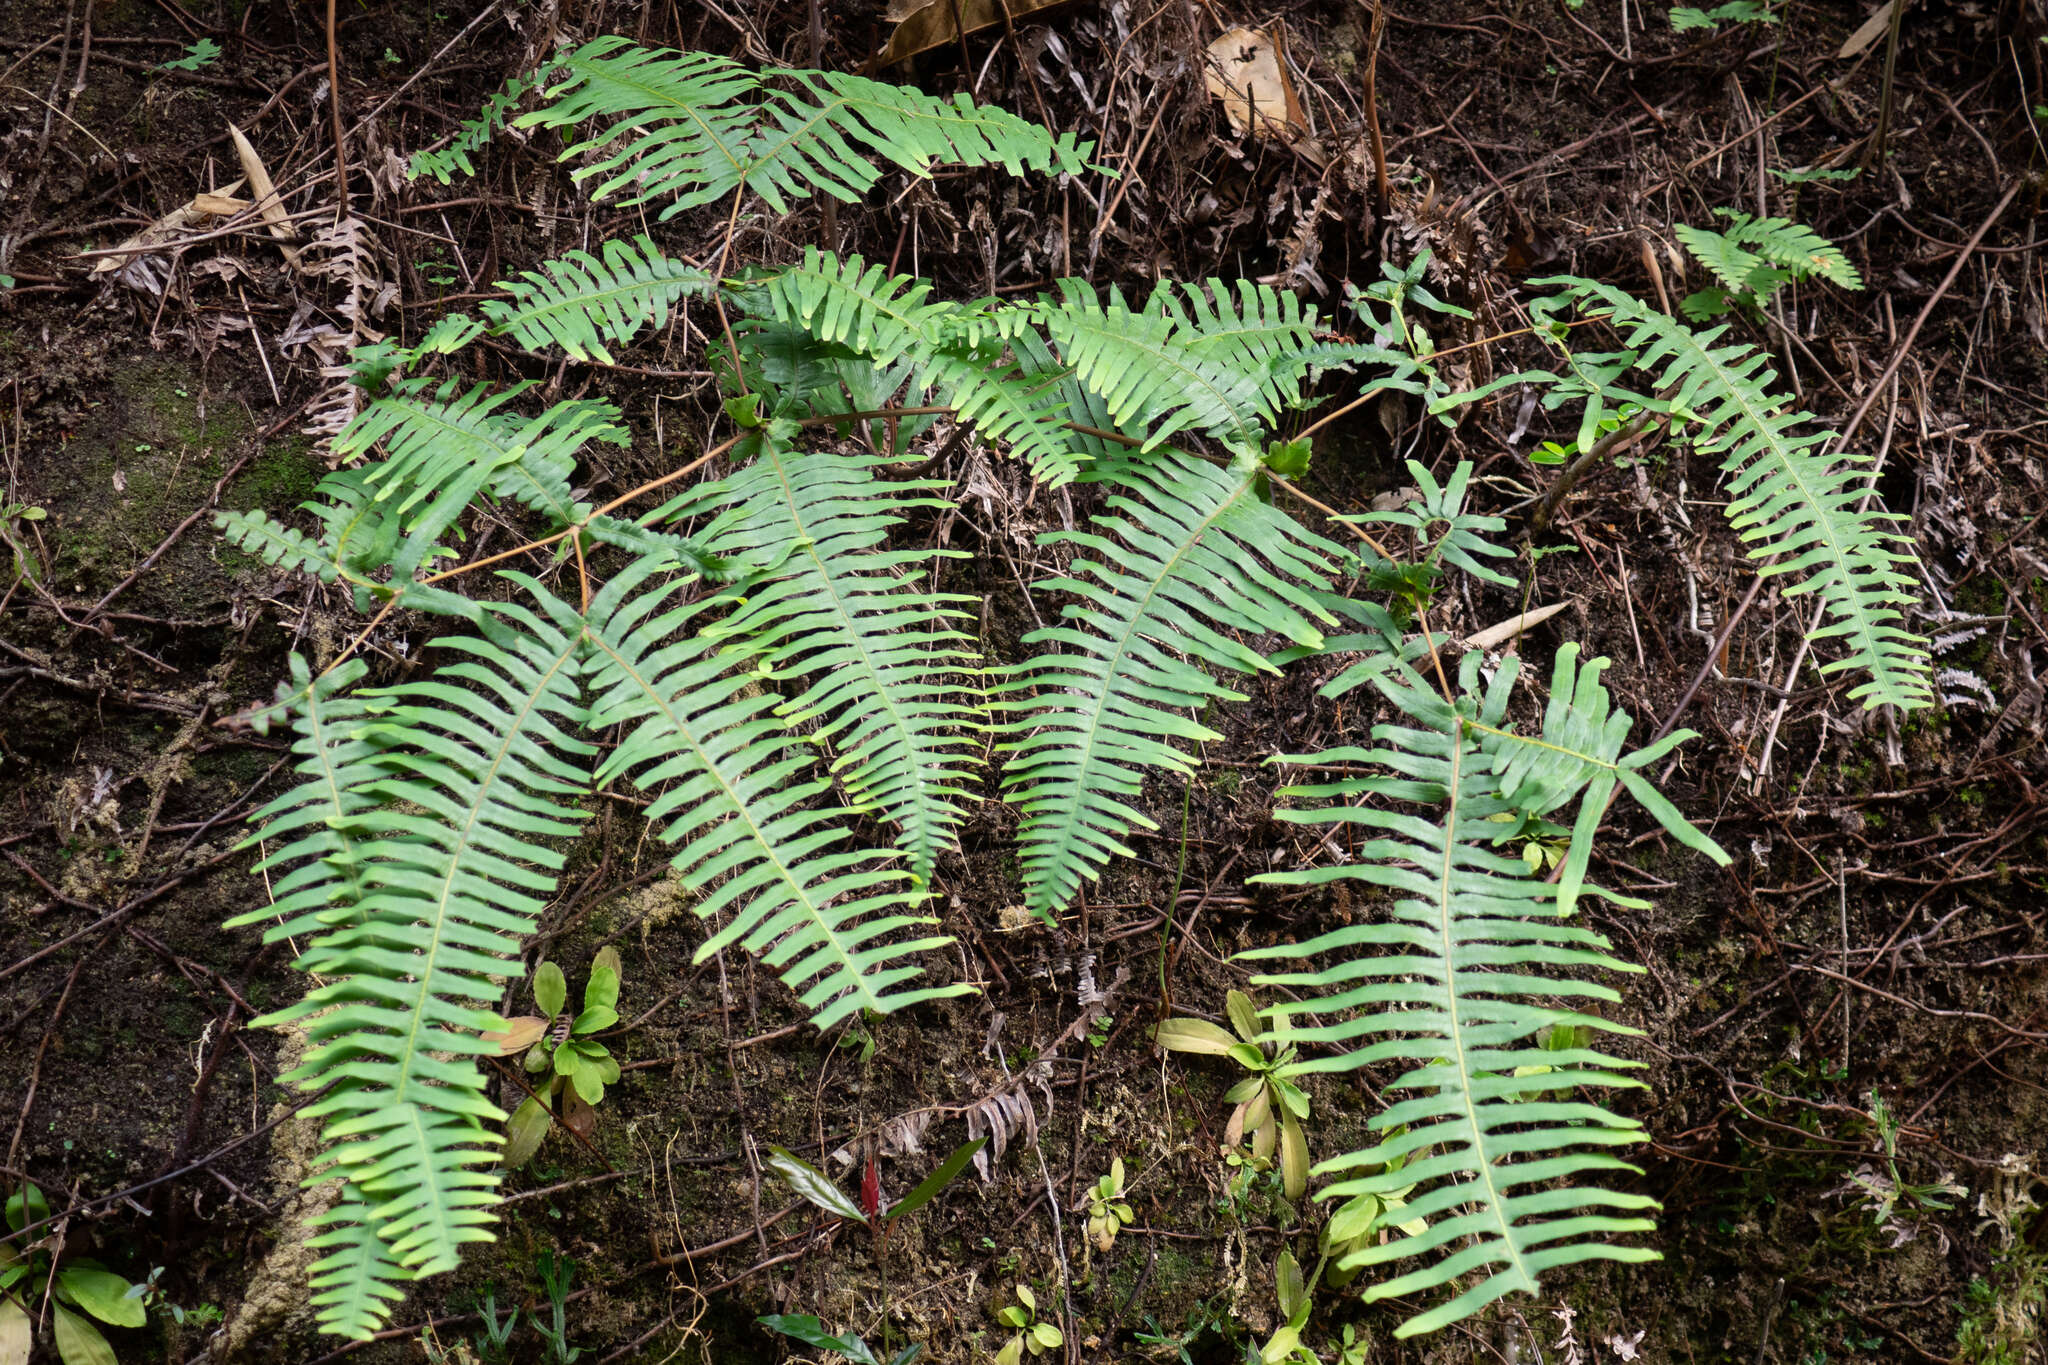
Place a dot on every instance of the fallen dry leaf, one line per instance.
(1247, 70)
(922, 25)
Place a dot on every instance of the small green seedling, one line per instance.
(560, 1044)
(811, 1332)
(555, 1275)
(1269, 1106)
(80, 1291)
(1032, 1335)
(27, 563)
(1108, 1214)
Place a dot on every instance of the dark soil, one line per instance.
(1879, 935)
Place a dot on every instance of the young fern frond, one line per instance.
(893, 682)
(731, 785)
(580, 302)
(1799, 507)
(691, 127)
(420, 863)
(1453, 985)
(1185, 557)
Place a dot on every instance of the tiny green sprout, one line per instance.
(1032, 1335)
(1269, 1105)
(1108, 1214)
(563, 1047)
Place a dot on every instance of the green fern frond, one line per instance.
(732, 787)
(955, 358)
(355, 1284)
(1792, 247)
(893, 681)
(1798, 507)
(420, 853)
(580, 302)
(284, 547)
(1256, 328)
(476, 133)
(1155, 374)
(1453, 985)
(693, 127)
(1185, 558)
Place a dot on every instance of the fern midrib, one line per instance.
(1099, 698)
(1459, 1049)
(901, 724)
(743, 811)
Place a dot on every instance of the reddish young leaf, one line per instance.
(871, 1190)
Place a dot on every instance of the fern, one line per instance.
(1755, 257)
(730, 784)
(419, 864)
(951, 350)
(1797, 506)
(697, 127)
(444, 164)
(889, 676)
(1487, 1128)
(771, 669)
(579, 302)
(1169, 368)
(1184, 554)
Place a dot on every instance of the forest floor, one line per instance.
(1877, 946)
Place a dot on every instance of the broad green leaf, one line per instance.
(524, 1133)
(1193, 1035)
(78, 1341)
(810, 1331)
(550, 989)
(104, 1295)
(812, 1184)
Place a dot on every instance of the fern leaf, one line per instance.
(1452, 986)
(1797, 506)
(888, 319)
(1792, 247)
(580, 302)
(1154, 378)
(420, 861)
(889, 675)
(276, 544)
(696, 127)
(476, 133)
(732, 789)
(355, 1285)
(1185, 557)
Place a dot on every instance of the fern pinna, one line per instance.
(767, 659)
